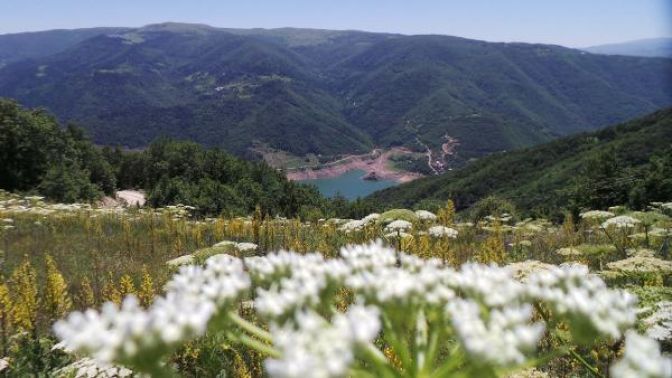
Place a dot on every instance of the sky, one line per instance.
(573, 23)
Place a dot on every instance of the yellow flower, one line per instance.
(24, 287)
(57, 301)
(146, 293)
(126, 285)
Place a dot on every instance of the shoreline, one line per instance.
(374, 163)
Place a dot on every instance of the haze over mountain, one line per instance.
(329, 92)
(653, 47)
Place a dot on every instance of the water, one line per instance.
(349, 184)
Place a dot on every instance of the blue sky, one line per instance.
(574, 23)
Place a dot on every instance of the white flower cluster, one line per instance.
(659, 323)
(503, 339)
(425, 215)
(596, 214)
(358, 224)
(621, 221)
(398, 225)
(489, 310)
(309, 277)
(193, 296)
(642, 359)
(313, 347)
(90, 368)
(442, 232)
(571, 291)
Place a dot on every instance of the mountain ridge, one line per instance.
(331, 92)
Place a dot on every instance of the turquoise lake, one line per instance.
(350, 185)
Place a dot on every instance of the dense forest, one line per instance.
(323, 92)
(629, 164)
(37, 155)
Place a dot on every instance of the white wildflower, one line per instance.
(442, 231)
(659, 324)
(353, 225)
(370, 218)
(503, 339)
(91, 368)
(642, 359)
(312, 347)
(182, 260)
(596, 214)
(425, 215)
(570, 291)
(398, 225)
(246, 247)
(641, 264)
(621, 221)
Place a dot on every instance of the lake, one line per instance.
(350, 185)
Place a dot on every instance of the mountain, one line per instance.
(20, 46)
(332, 92)
(653, 47)
(544, 177)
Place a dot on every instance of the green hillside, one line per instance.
(631, 162)
(328, 92)
(37, 155)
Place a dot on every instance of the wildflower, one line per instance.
(313, 347)
(86, 296)
(659, 324)
(442, 231)
(26, 301)
(370, 218)
(146, 292)
(182, 260)
(596, 214)
(641, 264)
(353, 225)
(523, 270)
(503, 339)
(397, 234)
(89, 367)
(398, 225)
(57, 301)
(594, 309)
(621, 221)
(425, 215)
(642, 358)
(121, 334)
(246, 247)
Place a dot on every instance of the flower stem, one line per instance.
(250, 327)
(585, 363)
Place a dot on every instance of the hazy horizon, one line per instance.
(572, 23)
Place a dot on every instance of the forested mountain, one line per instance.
(628, 163)
(652, 47)
(37, 155)
(330, 92)
(20, 46)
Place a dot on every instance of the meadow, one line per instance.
(392, 294)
